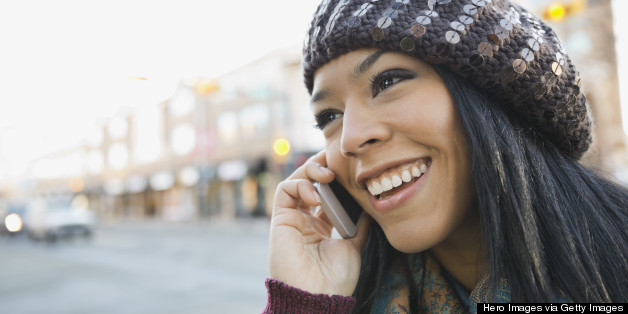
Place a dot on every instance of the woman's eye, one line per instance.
(325, 117)
(388, 82)
(383, 81)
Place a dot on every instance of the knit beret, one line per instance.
(505, 51)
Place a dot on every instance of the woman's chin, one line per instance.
(408, 243)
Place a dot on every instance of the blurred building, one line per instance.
(216, 148)
(586, 29)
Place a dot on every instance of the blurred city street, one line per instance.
(143, 267)
(172, 124)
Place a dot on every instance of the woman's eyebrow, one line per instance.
(320, 95)
(366, 64)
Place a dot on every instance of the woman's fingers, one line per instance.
(298, 193)
(292, 213)
(315, 169)
(319, 158)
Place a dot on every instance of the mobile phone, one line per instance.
(341, 208)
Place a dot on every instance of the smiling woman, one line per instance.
(396, 114)
(457, 126)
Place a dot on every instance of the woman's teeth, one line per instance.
(406, 176)
(397, 176)
(396, 181)
(386, 184)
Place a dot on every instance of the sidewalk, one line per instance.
(243, 225)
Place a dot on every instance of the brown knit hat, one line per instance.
(505, 51)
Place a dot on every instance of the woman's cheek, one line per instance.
(334, 156)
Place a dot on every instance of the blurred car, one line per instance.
(12, 218)
(51, 222)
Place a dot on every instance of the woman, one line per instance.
(457, 126)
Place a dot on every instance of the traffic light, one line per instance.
(281, 147)
(558, 11)
(281, 150)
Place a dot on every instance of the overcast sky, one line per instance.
(65, 65)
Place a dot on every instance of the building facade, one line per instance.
(206, 152)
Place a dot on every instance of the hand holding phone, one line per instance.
(340, 207)
(301, 252)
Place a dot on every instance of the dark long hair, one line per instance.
(548, 222)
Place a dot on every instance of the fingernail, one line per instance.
(325, 169)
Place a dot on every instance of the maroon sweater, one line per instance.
(286, 299)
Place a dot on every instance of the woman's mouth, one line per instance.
(388, 189)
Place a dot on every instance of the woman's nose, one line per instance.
(362, 129)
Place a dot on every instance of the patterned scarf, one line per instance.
(423, 279)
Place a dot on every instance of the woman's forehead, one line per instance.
(355, 64)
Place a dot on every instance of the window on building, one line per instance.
(118, 156)
(253, 119)
(147, 130)
(183, 139)
(228, 126)
(182, 103)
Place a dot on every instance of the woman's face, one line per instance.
(394, 141)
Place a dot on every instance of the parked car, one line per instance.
(53, 221)
(12, 218)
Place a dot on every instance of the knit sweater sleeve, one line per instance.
(283, 298)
